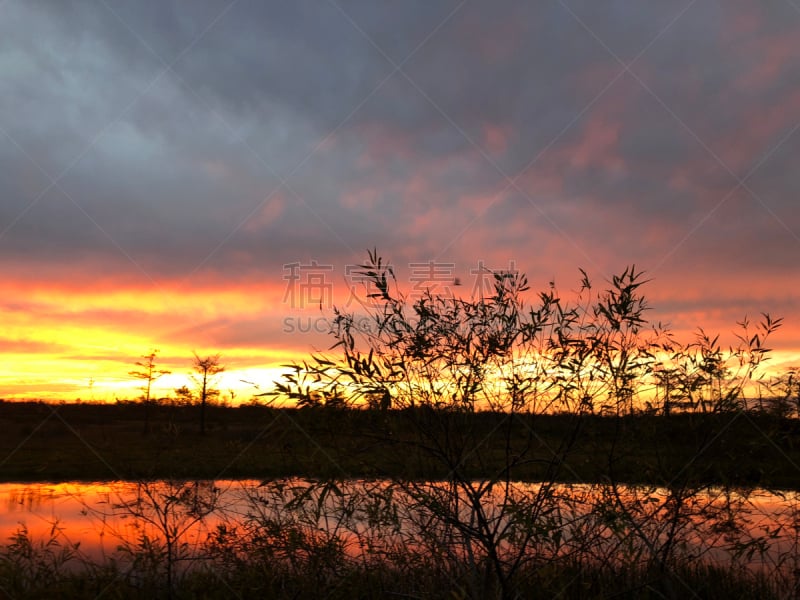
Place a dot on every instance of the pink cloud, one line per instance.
(496, 138)
(382, 142)
(267, 213)
(750, 139)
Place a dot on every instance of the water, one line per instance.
(101, 517)
(755, 528)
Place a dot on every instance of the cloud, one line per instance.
(23, 346)
(178, 150)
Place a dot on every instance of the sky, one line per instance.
(203, 176)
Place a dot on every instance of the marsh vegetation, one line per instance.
(367, 538)
(491, 447)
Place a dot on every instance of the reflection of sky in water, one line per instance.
(91, 514)
(95, 516)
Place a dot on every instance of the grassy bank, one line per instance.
(103, 442)
(266, 579)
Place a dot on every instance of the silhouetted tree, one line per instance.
(184, 396)
(147, 372)
(206, 368)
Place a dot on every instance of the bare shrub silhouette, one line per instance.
(440, 361)
(148, 372)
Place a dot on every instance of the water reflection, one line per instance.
(100, 517)
(292, 518)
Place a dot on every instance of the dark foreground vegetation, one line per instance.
(53, 572)
(93, 442)
(402, 473)
(377, 539)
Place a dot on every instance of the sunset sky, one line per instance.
(197, 176)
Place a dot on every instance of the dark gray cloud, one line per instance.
(234, 138)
